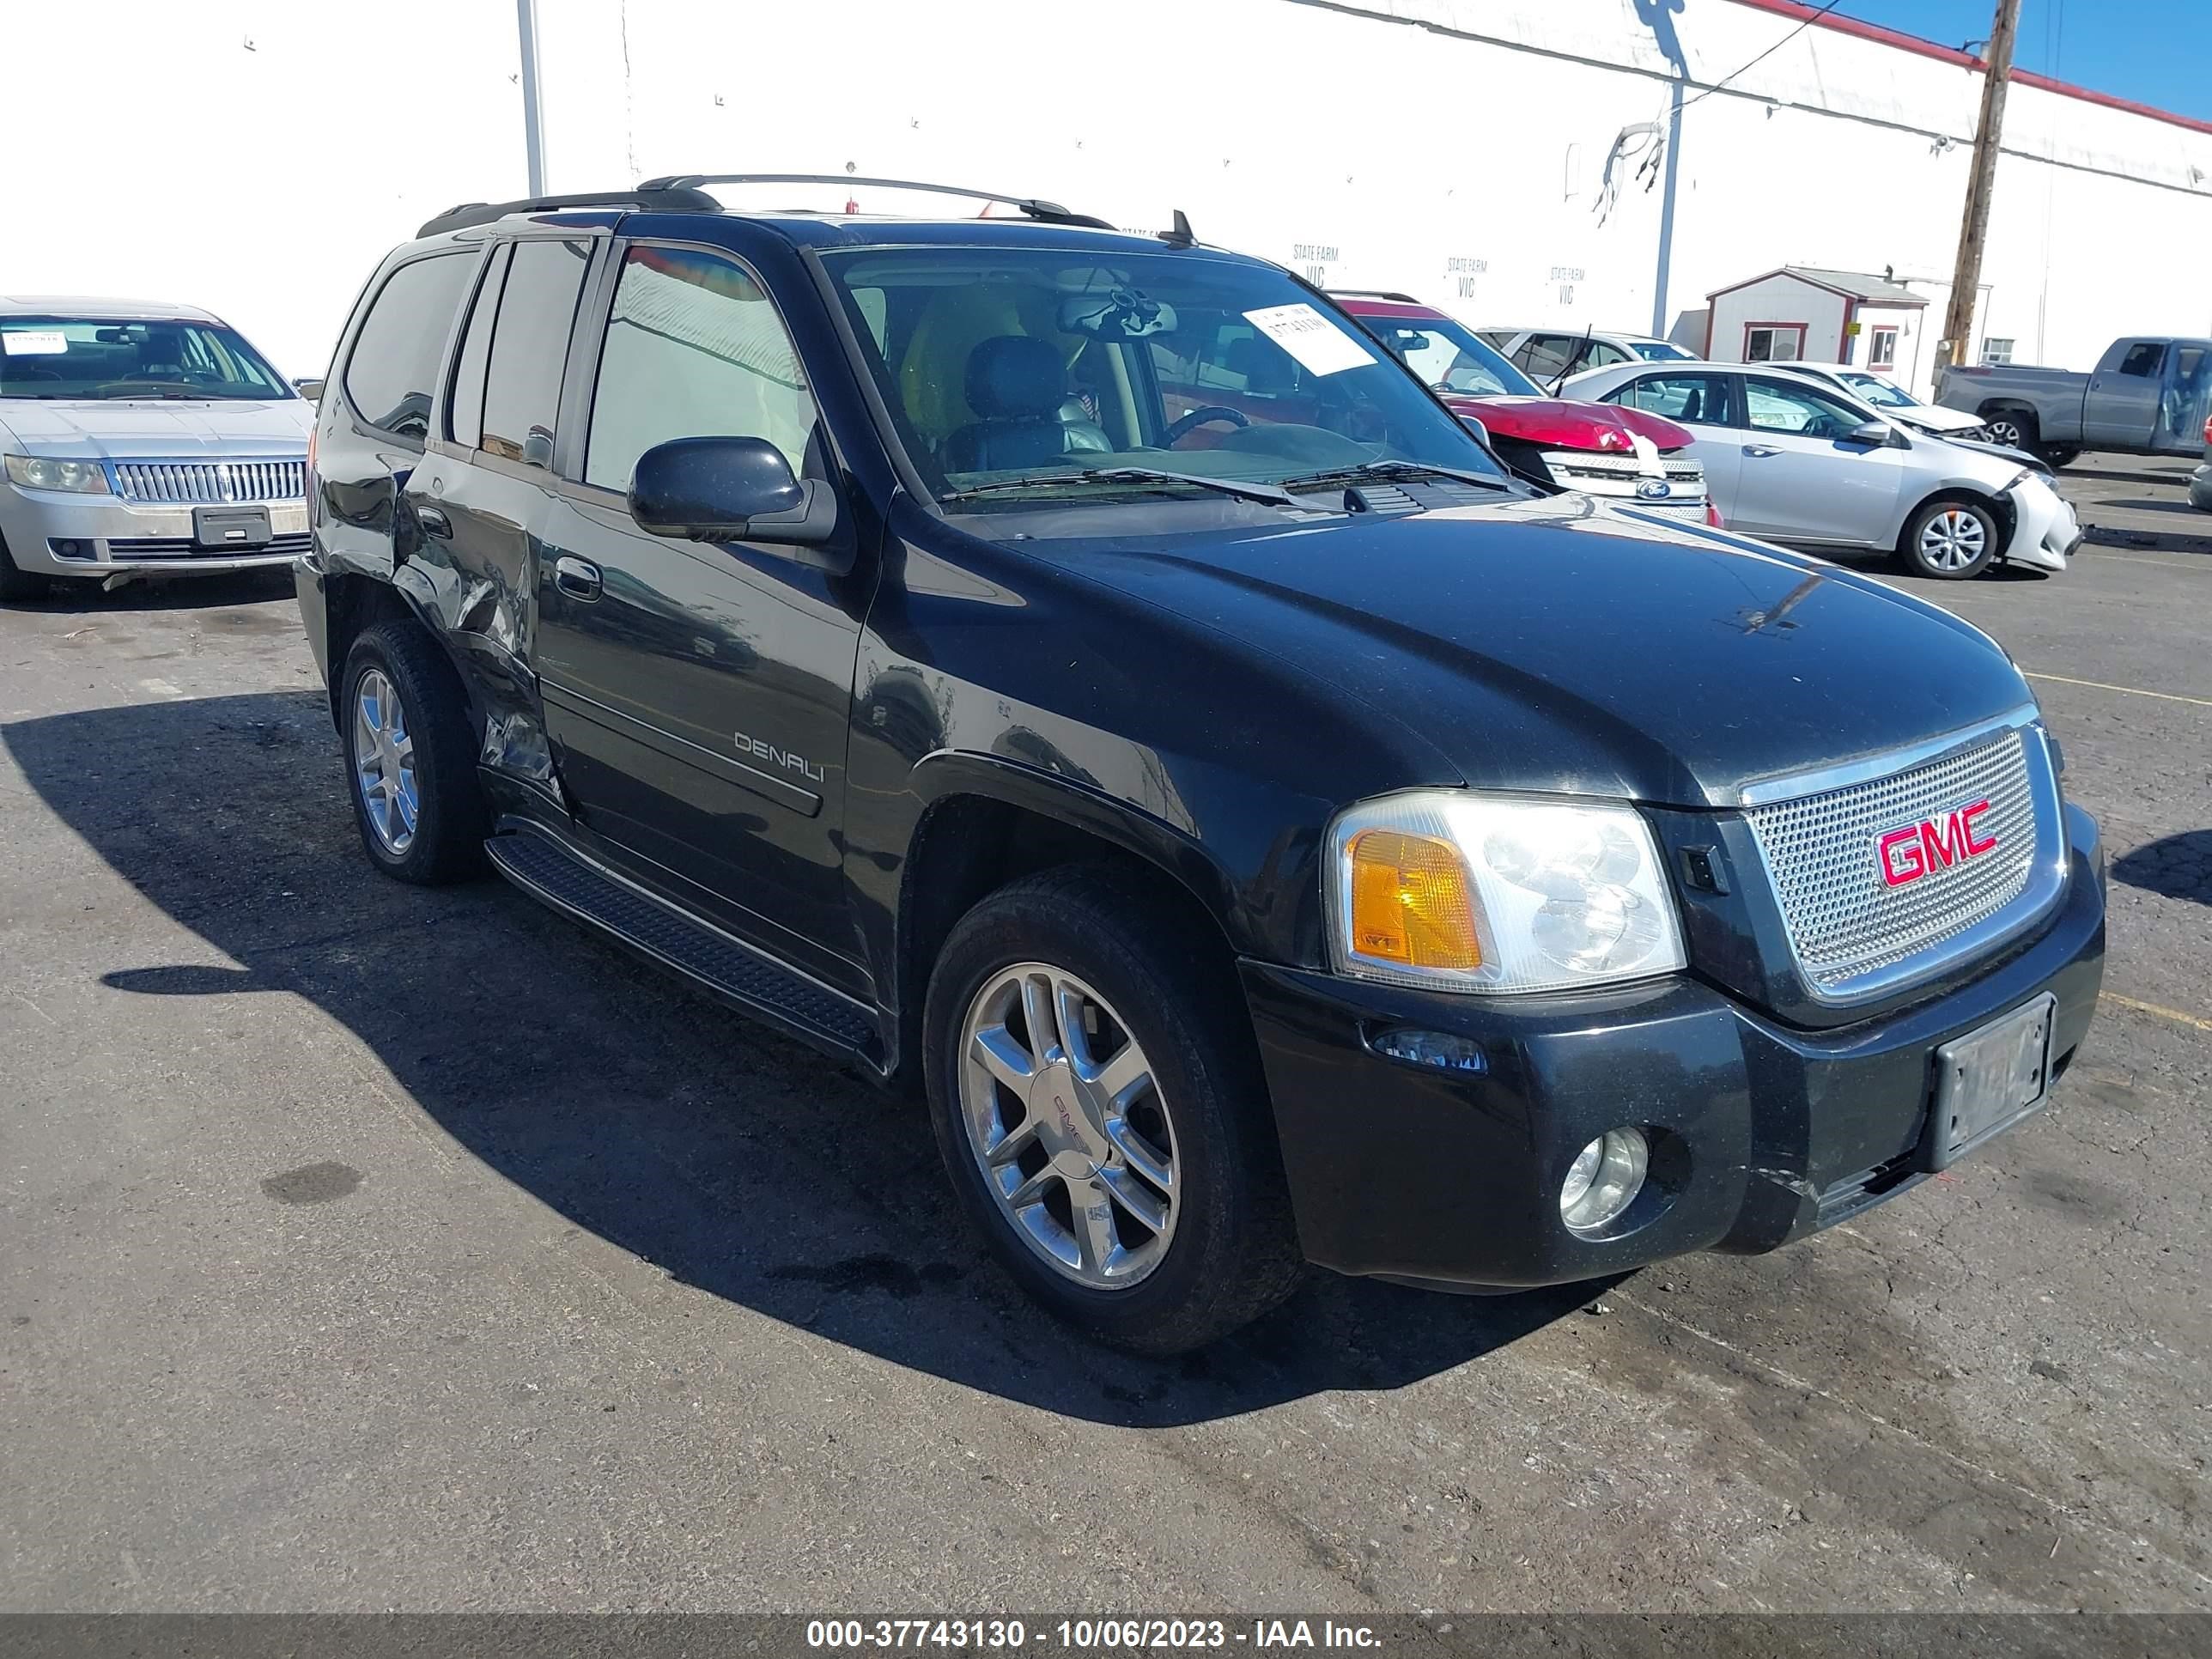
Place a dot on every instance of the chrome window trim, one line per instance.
(1795, 785)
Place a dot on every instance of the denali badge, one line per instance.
(1920, 849)
(749, 745)
(1653, 489)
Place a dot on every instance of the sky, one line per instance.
(2155, 52)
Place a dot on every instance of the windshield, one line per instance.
(1447, 356)
(94, 358)
(1879, 392)
(1659, 351)
(1002, 366)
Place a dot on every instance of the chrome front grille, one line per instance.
(196, 482)
(1854, 932)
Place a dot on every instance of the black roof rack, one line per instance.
(1049, 212)
(1376, 293)
(646, 198)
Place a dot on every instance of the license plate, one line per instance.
(1989, 1080)
(241, 527)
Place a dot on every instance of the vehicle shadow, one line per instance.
(727, 1157)
(2176, 866)
(74, 596)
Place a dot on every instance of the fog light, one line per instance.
(1437, 1048)
(66, 548)
(1604, 1180)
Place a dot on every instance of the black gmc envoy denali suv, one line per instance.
(1078, 676)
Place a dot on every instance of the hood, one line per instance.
(116, 429)
(1934, 418)
(1557, 646)
(2022, 458)
(1564, 423)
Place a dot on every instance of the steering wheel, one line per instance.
(1198, 418)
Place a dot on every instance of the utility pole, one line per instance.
(533, 107)
(1966, 278)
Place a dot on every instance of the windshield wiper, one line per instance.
(1395, 470)
(1270, 495)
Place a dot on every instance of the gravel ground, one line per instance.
(362, 1247)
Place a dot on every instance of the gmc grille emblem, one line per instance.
(1916, 850)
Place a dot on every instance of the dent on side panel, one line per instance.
(473, 592)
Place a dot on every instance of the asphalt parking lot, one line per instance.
(364, 1247)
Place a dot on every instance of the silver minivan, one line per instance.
(1791, 459)
(142, 438)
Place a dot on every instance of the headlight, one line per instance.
(1459, 891)
(37, 472)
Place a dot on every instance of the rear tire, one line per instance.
(2061, 457)
(410, 768)
(1952, 540)
(2013, 427)
(17, 585)
(1171, 1182)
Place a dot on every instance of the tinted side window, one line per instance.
(530, 347)
(465, 403)
(1692, 399)
(394, 362)
(2143, 360)
(695, 349)
(1546, 357)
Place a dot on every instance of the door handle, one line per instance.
(578, 579)
(434, 521)
(1760, 451)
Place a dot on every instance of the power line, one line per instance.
(1724, 81)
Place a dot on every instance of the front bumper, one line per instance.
(102, 535)
(2200, 488)
(1762, 1133)
(2046, 530)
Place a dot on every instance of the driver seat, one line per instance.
(1019, 385)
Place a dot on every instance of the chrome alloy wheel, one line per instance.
(2007, 431)
(1068, 1126)
(1953, 539)
(384, 762)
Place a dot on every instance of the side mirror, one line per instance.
(1475, 426)
(309, 388)
(1875, 435)
(729, 490)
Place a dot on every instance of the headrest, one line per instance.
(1015, 377)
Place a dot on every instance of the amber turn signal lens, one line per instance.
(1412, 901)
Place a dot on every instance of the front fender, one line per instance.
(1084, 806)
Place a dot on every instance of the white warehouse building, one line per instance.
(1607, 162)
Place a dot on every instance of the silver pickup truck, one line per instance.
(2147, 396)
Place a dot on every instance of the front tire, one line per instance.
(1951, 541)
(1097, 1100)
(409, 761)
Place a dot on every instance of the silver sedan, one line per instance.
(139, 439)
(1793, 461)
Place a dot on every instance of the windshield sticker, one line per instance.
(35, 342)
(1319, 344)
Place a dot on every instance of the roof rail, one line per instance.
(646, 198)
(1049, 212)
(1376, 293)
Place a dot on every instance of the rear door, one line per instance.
(2187, 399)
(1802, 480)
(1705, 403)
(483, 493)
(699, 694)
(2121, 408)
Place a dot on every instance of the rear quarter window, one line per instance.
(394, 365)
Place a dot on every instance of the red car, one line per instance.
(1622, 454)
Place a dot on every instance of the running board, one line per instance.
(557, 874)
